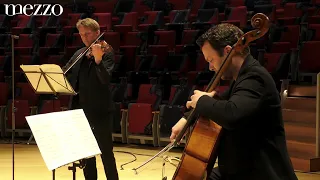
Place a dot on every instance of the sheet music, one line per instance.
(63, 137)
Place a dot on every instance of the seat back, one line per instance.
(49, 106)
(139, 117)
(4, 89)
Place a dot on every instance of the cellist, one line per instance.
(253, 143)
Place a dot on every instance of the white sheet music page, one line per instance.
(63, 137)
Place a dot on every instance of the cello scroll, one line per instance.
(260, 23)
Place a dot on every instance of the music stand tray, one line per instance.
(47, 79)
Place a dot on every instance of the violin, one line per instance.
(88, 52)
(104, 46)
(200, 151)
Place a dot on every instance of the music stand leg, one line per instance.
(54, 174)
(73, 168)
(30, 139)
(13, 109)
(74, 172)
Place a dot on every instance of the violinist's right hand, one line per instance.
(177, 128)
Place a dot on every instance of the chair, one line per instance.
(236, 16)
(168, 117)
(290, 15)
(188, 37)
(141, 118)
(161, 51)
(25, 44)
(129, 23)
(165, 38)
(267, 9)
(177, 4)
(140, 7)
(54, 43)
(172, 112)
(196, 5)
(177, 64)
(313, 32)
(22, 110)
(104, 20)
(2, 79)
(236, 3)
(25, 24)
(4, 89)
(309, 60)
(132, 39)
(119, 92)
(70, 27)
(102, 6)
(152, 19)
(49, 106)
(24, 91)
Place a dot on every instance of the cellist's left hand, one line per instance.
(196, 96)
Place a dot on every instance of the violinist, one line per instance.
(253, 143)
(90, 77)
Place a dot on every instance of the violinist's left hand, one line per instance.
(196, 96)
(97, 52)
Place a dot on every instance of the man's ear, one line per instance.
(227, 49)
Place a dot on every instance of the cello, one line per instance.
(200, 152)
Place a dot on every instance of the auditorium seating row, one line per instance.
(289, 33)
(132, 116)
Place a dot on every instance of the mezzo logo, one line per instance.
(35, 10)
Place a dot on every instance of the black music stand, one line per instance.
(13, 108)
(50, 79)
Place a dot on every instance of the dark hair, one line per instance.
(220, 36)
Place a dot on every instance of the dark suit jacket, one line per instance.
(253, 143)
(103, 71)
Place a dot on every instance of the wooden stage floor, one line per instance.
(29, 164)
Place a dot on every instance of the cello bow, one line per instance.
(200, 152)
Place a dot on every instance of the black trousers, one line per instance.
(215, 174)
(103, 135)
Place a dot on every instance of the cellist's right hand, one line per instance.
(177, 128)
